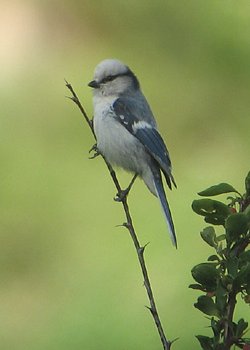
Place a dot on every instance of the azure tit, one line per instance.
(126, 130)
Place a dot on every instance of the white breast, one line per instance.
(113, 140)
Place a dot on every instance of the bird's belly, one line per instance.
(119, 147)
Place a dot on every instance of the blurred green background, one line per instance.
(70, 277)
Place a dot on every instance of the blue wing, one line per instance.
(130, 116)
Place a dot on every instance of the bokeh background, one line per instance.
(70, 277)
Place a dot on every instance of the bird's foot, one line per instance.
(95, 150)
(122, 194)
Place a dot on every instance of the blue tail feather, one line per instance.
(165, 207)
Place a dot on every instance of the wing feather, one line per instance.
(129, 115)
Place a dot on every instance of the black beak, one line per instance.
(93, 84)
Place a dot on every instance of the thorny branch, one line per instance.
(129, 225)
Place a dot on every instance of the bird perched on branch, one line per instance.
(126, 130)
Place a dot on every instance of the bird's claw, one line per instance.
(95, 150)
(121, 195)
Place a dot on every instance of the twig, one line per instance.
(129, 225)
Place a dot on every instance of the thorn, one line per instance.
(153, 312)
(126, 224)
(149, 308)
(141, 249)
(72, 98)
(174, 340)
(122, 225)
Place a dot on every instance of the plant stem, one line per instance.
(228, 336)
(129, 225)
(140, 253)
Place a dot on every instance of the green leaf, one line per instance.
(221, 298)
(215, 327)
(209, 236)
(220, 250)
(241, 327)
(220, 238)
(213, 258)
(218, 189)
(227, 282)
(232, 264)
(207, 306)
(244, 257)
(207, 275)
(247, 211)
(196, 286)
(221, 303)
(214, 211)
(243, 276)
(247, 184)
(205, 342)
(236, 224)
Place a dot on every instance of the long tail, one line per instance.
(165, 207)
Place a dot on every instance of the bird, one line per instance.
(126, 131)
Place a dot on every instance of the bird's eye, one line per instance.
(108, 78)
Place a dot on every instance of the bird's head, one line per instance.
(112, 77)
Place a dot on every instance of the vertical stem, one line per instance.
(228, 336)
(140, 253)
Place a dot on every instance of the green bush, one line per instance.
(226, 274)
